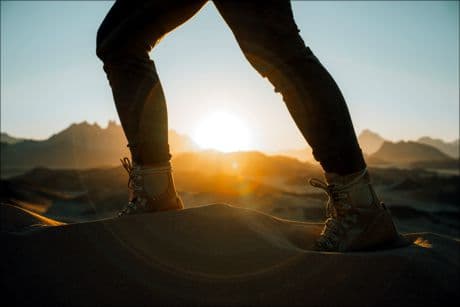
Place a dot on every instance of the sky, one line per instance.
(396, 63)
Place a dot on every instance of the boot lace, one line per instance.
(339, 212)
(135, 185)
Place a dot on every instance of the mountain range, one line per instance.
(79, 146)
(378, 150)
(85, 145)
(371, 142)
(449, 148)
(413, 154)
(6, 138)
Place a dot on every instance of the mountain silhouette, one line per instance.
(84, 145)
(411, 153)
(81, 145)
(370, 141)
(6, 138)
(449, 148)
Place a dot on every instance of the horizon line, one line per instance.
(116, 122)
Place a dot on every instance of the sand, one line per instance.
(213, 255)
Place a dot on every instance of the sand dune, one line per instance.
(213, 255)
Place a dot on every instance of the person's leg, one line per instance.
(270, 40)
(126, 36)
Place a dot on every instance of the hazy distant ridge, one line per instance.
(449, 148)
(81, 145)
(396, 152)
(409, 152)
(6, 138)
(370, 141)
(85, 145)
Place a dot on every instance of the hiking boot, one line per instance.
(140, 201)
(357, 220)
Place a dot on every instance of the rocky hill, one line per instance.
(81, 145)
(449, 148)
(6, 138)
(370, 141)
(413, 154)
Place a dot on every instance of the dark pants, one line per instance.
(270, 40)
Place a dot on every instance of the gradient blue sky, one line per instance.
(396, 63)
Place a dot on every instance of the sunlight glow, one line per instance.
(222, 131)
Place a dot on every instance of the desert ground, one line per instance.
(244, 238)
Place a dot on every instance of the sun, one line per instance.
(222, 131)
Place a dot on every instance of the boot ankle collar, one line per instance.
(345, 181)
(139, 169)
(150, 170)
